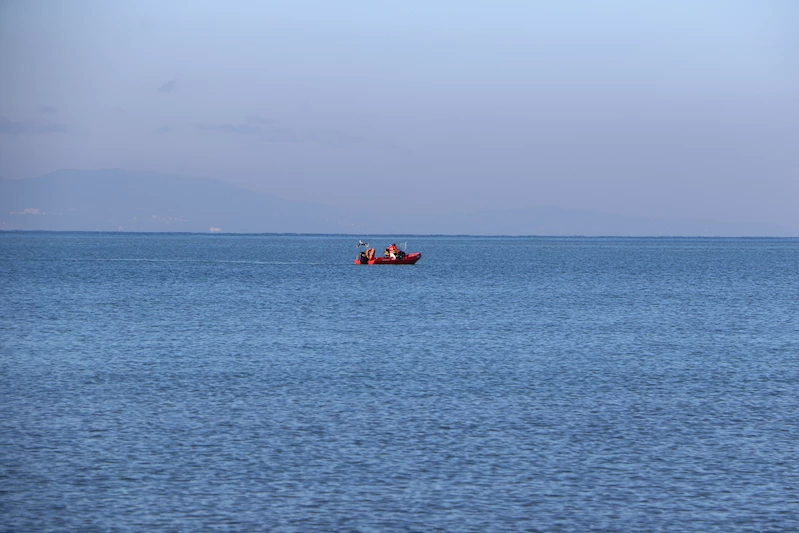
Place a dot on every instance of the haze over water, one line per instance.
(668, 110)
(181, 382)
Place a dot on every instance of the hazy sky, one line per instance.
(673, 109)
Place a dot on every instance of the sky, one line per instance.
(667, 109)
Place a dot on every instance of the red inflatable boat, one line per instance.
(407, 260)
(393, 256)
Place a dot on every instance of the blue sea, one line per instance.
(247, 383)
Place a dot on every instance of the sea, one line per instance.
(248, 383)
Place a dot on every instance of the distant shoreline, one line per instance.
(421, 235)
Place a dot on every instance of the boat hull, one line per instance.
(407, 260)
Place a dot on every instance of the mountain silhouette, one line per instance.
(114, 200)
(121, 200)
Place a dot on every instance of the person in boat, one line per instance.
(396, 253)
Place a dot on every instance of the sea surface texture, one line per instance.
(175, 382)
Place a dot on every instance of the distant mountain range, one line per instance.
(120, 200)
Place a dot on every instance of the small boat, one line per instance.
(409, 259)
(393, 256)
